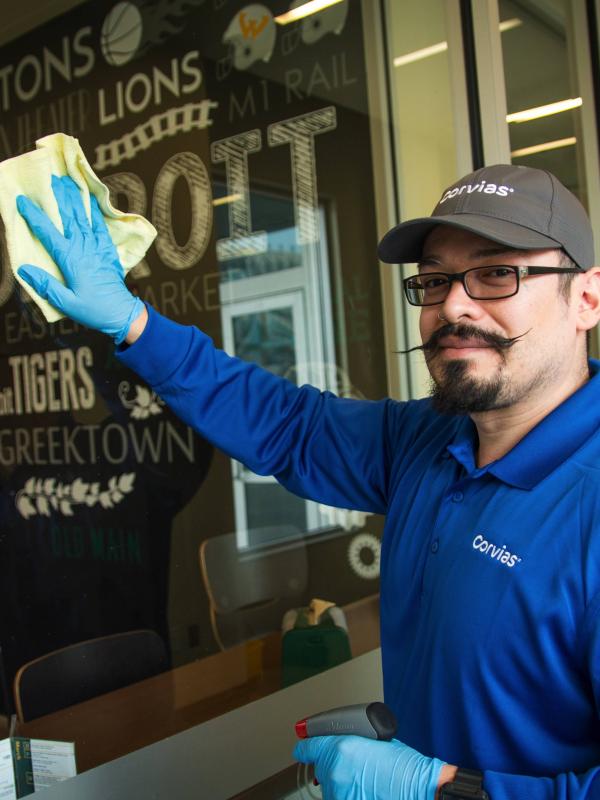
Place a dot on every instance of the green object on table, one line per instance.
(309, 649)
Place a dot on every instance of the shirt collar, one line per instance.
(551, 442)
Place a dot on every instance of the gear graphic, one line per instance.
(364, 552)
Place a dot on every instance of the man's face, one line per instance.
(470, 374)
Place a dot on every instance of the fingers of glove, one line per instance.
(322, 748)
(338, 763)
(75, 203)
(48, 287)
(99, 225)
(309, 750)
(329, 794)
(64, 206)
(42, 227)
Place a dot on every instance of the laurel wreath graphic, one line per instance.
(144, 404)
(42, 496)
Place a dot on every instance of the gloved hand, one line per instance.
(95, 293)
(356, 768)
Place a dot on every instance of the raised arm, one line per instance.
(317, 445)
(331, 450)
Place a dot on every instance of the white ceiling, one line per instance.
(28, 14)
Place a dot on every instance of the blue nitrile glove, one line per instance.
(95, 293)
(357, 768)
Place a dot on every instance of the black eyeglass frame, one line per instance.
(520, 272)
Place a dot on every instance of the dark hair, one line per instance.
(565, 281)
(564, 288)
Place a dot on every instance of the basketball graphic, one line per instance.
(121, 34)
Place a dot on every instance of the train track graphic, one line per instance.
(192, 116)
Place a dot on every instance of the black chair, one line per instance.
(87, 669)
(250, 589)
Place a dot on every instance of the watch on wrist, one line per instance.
(467, 785)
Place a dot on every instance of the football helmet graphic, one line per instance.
(250, 37)
(315, 26)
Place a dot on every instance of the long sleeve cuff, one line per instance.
(156, 355)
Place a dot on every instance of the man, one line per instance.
(490, 578)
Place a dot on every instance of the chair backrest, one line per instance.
(86, 669)
(250, 589)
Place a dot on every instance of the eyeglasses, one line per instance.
(480, 283)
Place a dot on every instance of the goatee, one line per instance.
(456, 393)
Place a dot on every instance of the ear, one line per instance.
(587, 299)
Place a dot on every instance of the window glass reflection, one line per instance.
(543, 98)
(247, 144)
(426, 126)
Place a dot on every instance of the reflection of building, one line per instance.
(270, 157)
(276, 309)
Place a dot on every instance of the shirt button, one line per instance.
(457, 497)
(435, 546)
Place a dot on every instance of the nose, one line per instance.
(458, 304)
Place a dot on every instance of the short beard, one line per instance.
(456, 393)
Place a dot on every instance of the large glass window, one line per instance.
(245, 139)
(430, 123)
(549, 97)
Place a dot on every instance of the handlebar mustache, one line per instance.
(432, 345)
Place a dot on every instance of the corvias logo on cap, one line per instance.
(481, 187)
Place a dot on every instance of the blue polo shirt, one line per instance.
(490, 578)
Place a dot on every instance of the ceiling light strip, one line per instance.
(509, 24)
(441, 47)
(228, 198)
(311, 7)
(544, 111)
(540, 148)
(417, 55)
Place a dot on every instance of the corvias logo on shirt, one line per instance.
(496, 552)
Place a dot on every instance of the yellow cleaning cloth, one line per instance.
(30, 174)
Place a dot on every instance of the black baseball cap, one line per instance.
(520, 207)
